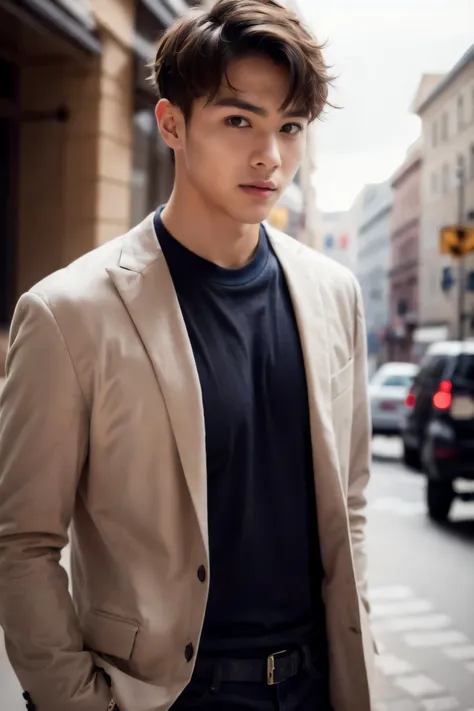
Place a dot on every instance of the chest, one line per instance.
(248, 355)
(250, 335)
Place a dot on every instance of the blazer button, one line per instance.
(201, 574)
(189, 652)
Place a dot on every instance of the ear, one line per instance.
(170, 122)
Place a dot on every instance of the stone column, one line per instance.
(75, 177)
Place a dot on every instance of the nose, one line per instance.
(267, 155)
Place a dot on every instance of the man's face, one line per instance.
(241, 151)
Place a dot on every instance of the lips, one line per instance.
(262, 185)
(260, 189)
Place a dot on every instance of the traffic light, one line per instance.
(456, 240)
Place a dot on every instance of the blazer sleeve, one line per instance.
(43, 447)
(360, 452)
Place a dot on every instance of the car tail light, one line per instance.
(410, 400)
(442, 400)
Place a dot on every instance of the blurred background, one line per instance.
(386, 188)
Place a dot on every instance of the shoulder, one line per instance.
(87, 279)
(82, 280)
(81, 297)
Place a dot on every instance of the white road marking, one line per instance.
(394, 592)
(398, 506)
(390, 665)
(444, 704)
(418, 685)
(435, 639)
(403, 607)
(463, 653)
(407, 624)
(464, 486)
(384, 503)
(411, 508)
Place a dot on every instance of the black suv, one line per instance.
(438, 432)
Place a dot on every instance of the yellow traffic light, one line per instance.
(456, 241)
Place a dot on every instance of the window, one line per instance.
(471, 160)
(398, 381)
(465, 367)
(444, 127)
(434, 183)
(445, 178)
(460, 113)
(435, 367)
(152, 166)
(434, 133)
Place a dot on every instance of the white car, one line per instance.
(388, 391)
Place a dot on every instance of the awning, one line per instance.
(73, 18)
(162, 13)
(165, 12)
(80, 9)
(152, 17)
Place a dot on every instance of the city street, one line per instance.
(422, 592)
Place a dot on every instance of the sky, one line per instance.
(378, 49)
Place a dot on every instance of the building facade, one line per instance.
(447, 197)
(373, 266)
(338, 234)
(296, 213)
(80, 158)
(405, 229)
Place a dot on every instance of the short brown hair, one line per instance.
(193, 55)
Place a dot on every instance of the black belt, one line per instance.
(276, 668)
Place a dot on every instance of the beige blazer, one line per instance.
(102, 434)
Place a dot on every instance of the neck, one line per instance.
(207, 232)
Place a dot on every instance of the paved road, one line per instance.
(422, 589)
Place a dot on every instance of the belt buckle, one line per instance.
(271, 667)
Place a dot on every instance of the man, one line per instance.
(189, 400)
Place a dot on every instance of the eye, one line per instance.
(237, 122)
(292, 129)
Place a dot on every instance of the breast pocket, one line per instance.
(342, 381)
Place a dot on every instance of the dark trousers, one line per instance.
(307, 691)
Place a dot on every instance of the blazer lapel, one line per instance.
(146, 288)
(309, 307)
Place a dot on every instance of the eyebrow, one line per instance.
(235, 103)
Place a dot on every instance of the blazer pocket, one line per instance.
(110, 634)
(342, 380)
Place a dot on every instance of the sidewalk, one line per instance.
(389, 698)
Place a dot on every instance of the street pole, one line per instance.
(462, 258)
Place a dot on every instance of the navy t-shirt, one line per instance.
(265, 566)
